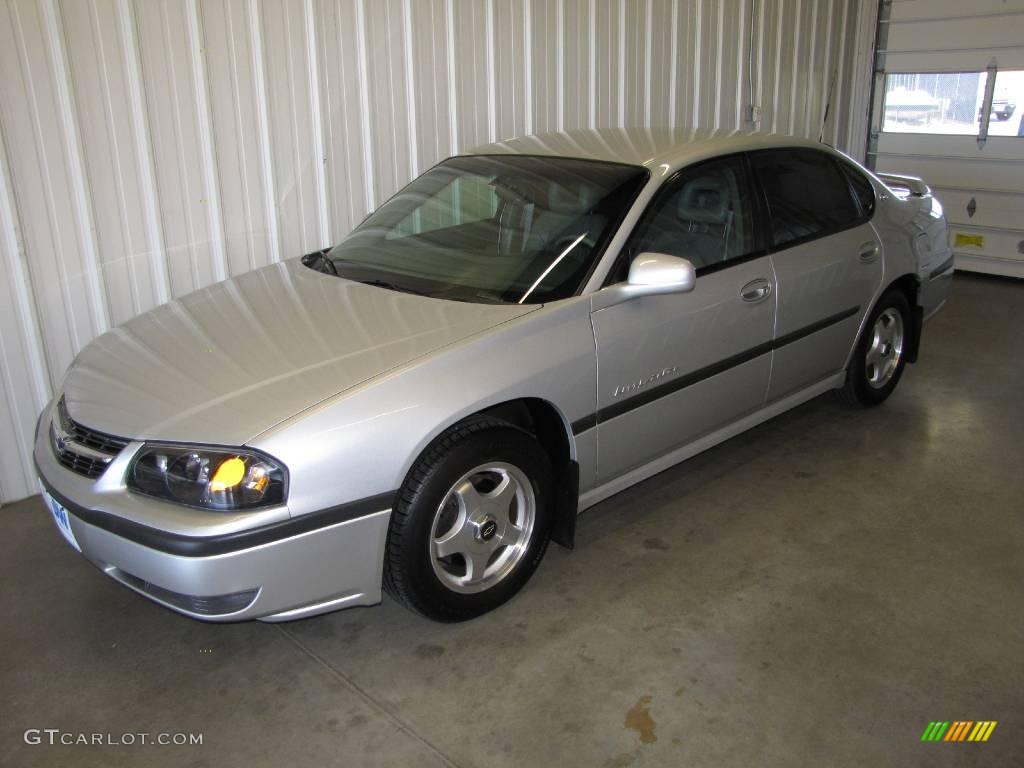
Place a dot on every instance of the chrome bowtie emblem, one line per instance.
(488, 529)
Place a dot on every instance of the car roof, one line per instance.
(669, 148)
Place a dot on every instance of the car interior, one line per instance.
(513, 230)
(704, 219)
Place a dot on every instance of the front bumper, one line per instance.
(219, 567)
(935, 286)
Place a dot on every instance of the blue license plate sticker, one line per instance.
(60, 517)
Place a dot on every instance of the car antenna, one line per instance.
(828, 106)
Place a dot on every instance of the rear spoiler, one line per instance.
(905, 186)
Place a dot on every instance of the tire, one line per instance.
(881, 353)
(481, 484)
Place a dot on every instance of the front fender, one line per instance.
(363, 442)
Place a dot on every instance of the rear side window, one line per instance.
(808, 196)
(862, 189)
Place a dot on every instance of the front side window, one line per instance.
(492, 229)
(705, 214)
(807, 194)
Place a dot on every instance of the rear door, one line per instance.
(673, 368)
(827, 261)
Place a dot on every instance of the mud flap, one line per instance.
(914, 338)
(567, 498)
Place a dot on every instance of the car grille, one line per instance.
(82, 450)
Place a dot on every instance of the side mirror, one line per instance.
(650, 274)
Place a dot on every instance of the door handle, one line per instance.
(868, 252)
(756, 290)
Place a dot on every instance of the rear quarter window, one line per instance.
(862, 189)
(808, 196)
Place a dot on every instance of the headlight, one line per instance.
(208, 478)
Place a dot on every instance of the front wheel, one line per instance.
(471, 521)
(880, 355)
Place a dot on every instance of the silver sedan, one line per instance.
(521, 332)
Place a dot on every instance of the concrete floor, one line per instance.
(811, 593)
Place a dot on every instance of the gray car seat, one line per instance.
(699, 226)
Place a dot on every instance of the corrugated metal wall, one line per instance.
(152, 147)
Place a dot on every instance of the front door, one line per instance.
(672, 368)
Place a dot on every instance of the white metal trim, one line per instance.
(492, 96)
(17, 270)
(559, 66)
(364, 104)
(621, 67)
(528, 65)
(128, 26)
(592, 60)
(673, 65)
(317, 119)
(207, 143)
(263, 121)
(453, 94)
(81, 195)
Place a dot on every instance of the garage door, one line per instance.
(948, 106)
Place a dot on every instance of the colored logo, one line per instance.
(959, 730)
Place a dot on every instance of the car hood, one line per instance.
(228, 362)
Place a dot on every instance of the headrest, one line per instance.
(704, 201)
(571, 197)
(524, 190)
(564, 197)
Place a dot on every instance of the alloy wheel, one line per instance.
(483, 527)
(886, 349)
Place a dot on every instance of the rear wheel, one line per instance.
(471, 522)
(880, 356)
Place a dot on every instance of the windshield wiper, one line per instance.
(321, 261)
(391, 286)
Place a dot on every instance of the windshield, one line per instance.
(498, 229)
